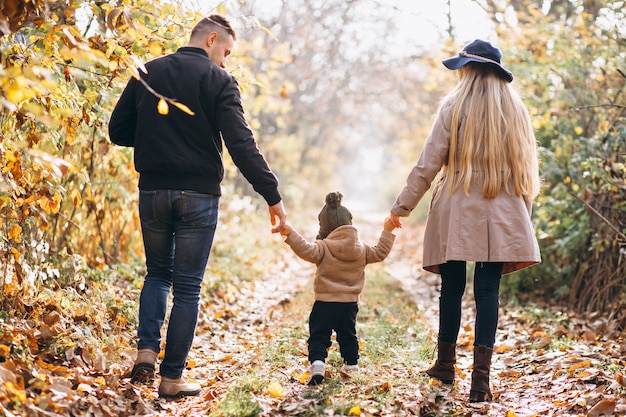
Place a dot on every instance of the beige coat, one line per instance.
(466, 228)
(340, 260)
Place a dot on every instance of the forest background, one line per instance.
(336, 100)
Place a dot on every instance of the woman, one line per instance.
(481, 206)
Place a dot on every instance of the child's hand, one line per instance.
(389, 225)
(395, 219)
(287, 229)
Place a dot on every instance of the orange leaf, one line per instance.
(581, 364)
(14, 233)
(4, 352)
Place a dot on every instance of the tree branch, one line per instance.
(622, 235)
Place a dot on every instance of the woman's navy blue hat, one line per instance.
(482, 52)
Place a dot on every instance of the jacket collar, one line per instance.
(192, 50)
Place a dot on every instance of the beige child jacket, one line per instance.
(340, 260)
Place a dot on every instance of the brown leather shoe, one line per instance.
(172, 388)
(143, 370)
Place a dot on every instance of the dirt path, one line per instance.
(534, 372)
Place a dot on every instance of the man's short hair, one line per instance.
(213, 23)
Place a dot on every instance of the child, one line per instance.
(340, 257)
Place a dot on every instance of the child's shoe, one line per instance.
(349, 368)
(317, 371)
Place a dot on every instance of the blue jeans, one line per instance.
(486, 296)
(178, 229)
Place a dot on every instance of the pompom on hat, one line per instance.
(482, 52)
(333, 215)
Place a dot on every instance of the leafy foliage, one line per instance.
(569, 70)
(66, 191)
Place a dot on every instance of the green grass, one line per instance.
(239, 400)
(391, 349)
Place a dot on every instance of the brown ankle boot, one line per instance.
(173, 388)
(480, 391)
(143, 370)
(443, 369)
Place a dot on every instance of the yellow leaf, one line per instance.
(221, 9)
(183, 108)
(511, 414)
(304, 378)
(434, 382)
(14, 233)
(276, 390)
(355, 411)
(75, 197)
(20, 394)
(162, 107)
(155, 49)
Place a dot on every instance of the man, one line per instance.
(179, 159)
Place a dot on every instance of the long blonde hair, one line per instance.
(497, 137)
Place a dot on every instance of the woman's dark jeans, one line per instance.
(486, 295)
(178, 228)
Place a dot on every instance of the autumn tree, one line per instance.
(67, 194)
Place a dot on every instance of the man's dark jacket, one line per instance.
(181, 151)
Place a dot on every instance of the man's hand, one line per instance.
(278, 210)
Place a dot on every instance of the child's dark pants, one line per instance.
(340, 317)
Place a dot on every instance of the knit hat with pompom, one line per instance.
(333, 215)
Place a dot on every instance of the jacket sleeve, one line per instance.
(379, 252)
(241, 145)
(123, 120)
(311, 252)
(434, 155)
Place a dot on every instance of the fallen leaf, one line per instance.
(276, 390)
(355, 411)
(304, 377)
(582, 364)
(604, 407)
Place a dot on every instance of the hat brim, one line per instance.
(457, 62)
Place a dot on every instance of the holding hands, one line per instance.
(286, 229)
(395, 220)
